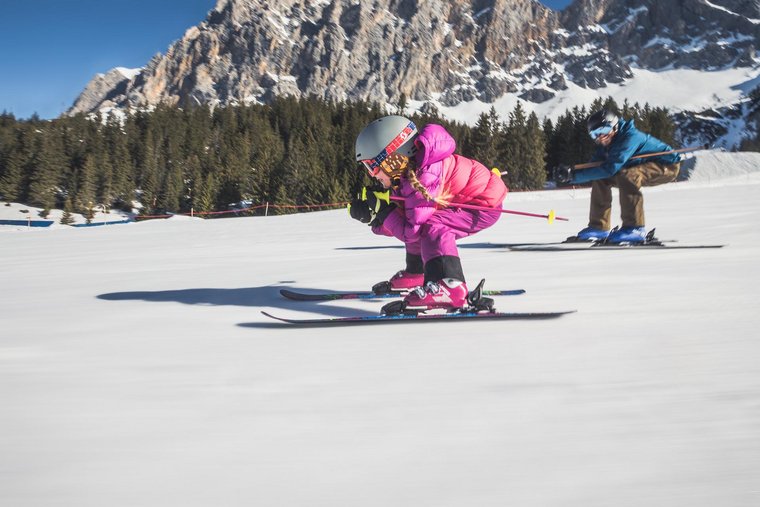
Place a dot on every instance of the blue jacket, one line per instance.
(628, 142)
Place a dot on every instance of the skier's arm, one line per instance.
(618, 155)
(417, 210)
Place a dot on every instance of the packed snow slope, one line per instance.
(136, 368)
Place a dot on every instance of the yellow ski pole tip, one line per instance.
(496, 171)
(551, 216)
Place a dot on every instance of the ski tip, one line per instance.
(273, 316)
(298, 296)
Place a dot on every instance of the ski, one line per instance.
(331, 296)
(607, 246)
(424, 317)
(574, 244)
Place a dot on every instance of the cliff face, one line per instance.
(451, 51)
(696, 34)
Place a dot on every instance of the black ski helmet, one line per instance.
(601, 123)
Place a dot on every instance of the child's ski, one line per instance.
(387, 319)
(330, 296)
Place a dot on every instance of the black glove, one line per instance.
(359, 210)
(563, 174)
(371, 206)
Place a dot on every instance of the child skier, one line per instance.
(422, 169)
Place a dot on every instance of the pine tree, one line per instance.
(584, 147)
(523, 146)
(549, 157)
(84, 195)
(485, 140)
(282, 197)
(627, 111)
(42, 170)
(645, 115)
(661, 126)
(205, 194)
(512, 148)
(560, 146)
(300, 175)
(121, 167)
(104, 181)
(267, 153)
(194, 183)
(67, 218)
(12, 177)
(149, 183)
(172, 190)
(534, 174)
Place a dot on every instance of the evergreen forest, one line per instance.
(290, 152)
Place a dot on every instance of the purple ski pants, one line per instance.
(439, 234)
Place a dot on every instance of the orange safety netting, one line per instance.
(244, 210)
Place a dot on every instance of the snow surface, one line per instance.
(129, 73)
(136, 369)
(675, 89)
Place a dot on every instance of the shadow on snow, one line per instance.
(263, 297)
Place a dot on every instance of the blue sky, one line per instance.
(50, 49)
(556, 4)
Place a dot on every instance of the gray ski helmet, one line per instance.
(601, 123)
(384, 136)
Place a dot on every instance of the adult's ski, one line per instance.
(424, 317)
(331, 296)
(607, 246)
(574, 244)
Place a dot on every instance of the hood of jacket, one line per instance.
(434, 144)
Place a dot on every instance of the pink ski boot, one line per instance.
(448, 294)
(403, 281)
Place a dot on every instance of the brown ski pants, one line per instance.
(629, 181)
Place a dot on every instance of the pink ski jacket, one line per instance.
(452, 178)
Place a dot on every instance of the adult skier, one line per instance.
(618, 141)
(422, 169)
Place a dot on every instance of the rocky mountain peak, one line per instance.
(445, 52)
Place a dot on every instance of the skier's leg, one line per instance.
(445, 285)
(631, 199)
(409, 277)
(652, 174)
(439, 235)
(601, 205)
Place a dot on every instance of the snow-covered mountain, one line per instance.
(451, 54)
(137, 369)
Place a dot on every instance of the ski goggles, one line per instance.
(374, 166)
(601, 131)
(392, 165)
